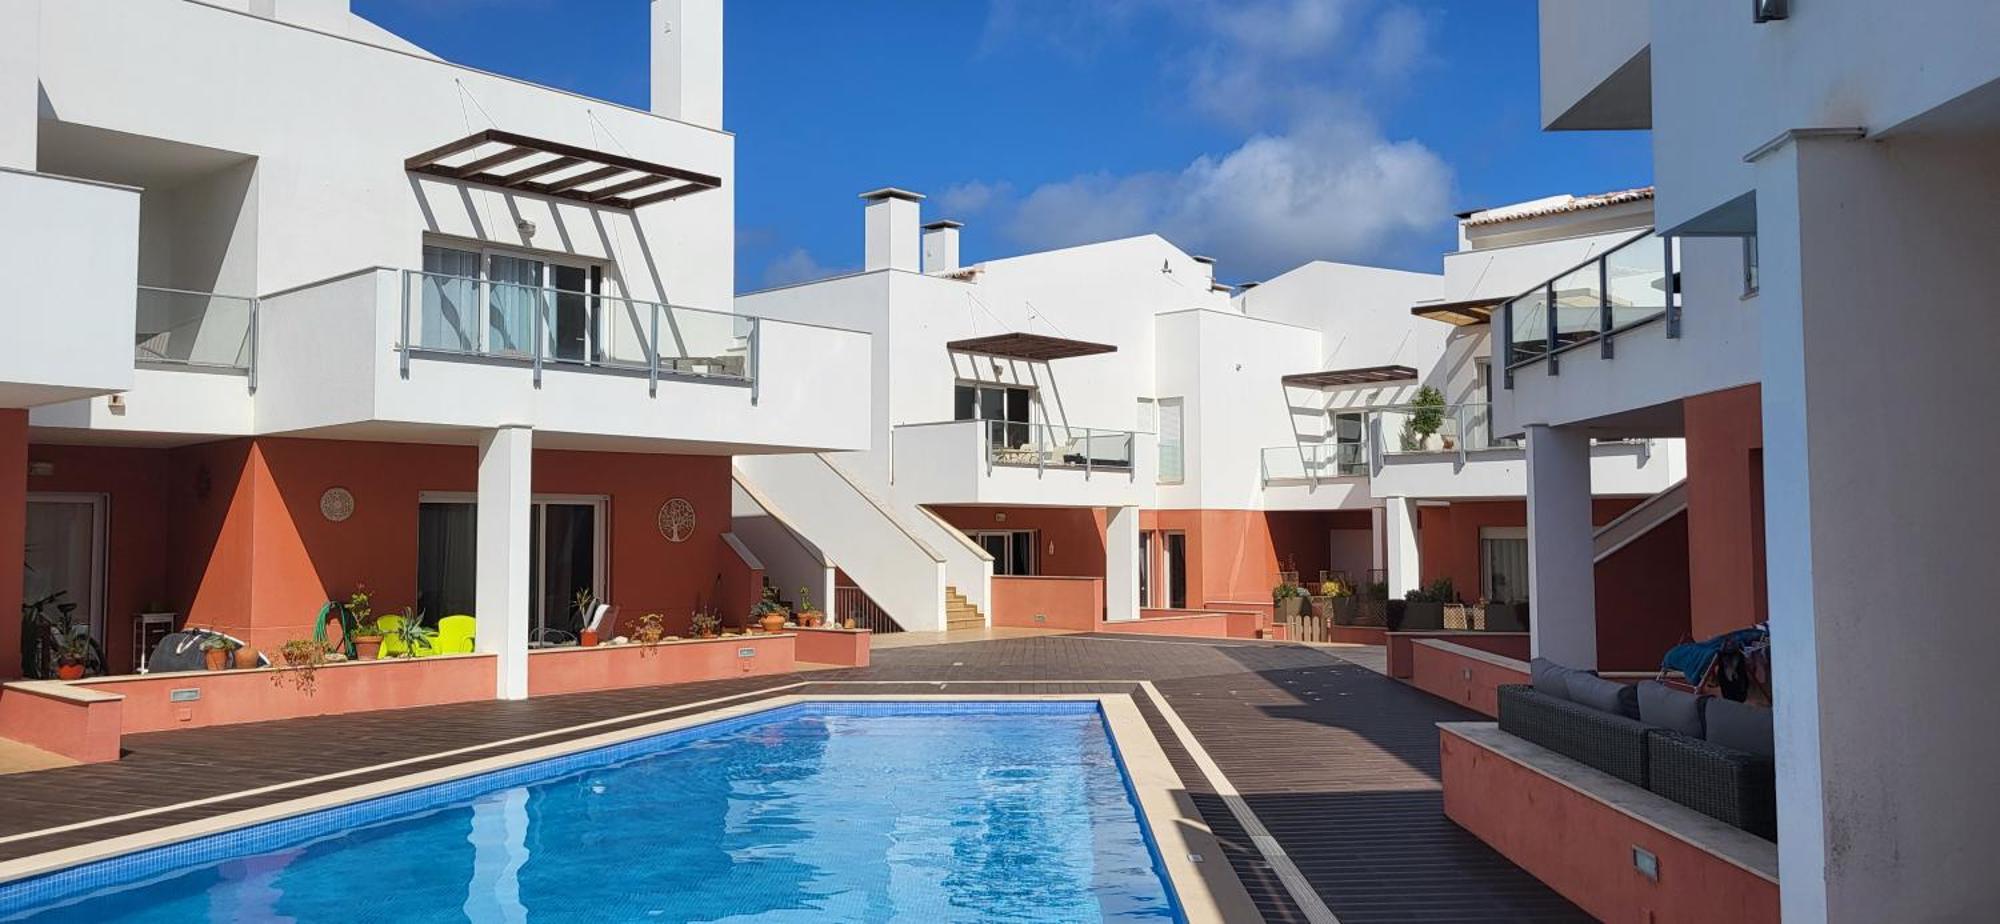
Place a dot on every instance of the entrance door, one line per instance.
(1013, 550)
(565, 547)
(1146, 569)
(1176, 566)
(65, 552)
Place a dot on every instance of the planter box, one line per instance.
(1421, 617)
(1507, 617)
(1289, 608)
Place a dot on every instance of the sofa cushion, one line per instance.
(1667, 707)
(1587, 689)
(1739, 726)
(1550, 678)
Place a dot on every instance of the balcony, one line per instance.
(1451, 452)
(69, 249)
(1003, 462)
(205, 331)
(1316, 476)
(1629, 286)
(379, 350)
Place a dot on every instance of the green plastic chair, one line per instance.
(392, 647)
(455, 635)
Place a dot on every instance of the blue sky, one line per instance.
(1262, 132)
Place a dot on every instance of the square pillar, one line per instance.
(1561, 547)
(500, 596)
(1121, 564)
(1399, 545)
(13, 532)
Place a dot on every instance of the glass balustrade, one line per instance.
(1627, 285)
(1442, 428)
(1055, 446)
(481, 317)
(177, 327)
(1314, 461)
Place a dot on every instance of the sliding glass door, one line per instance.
(1007, 409)
(485, 301)
(566, 555)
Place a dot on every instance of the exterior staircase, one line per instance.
(1640, 520)
(960, 613)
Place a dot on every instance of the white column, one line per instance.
(1399, 545)
(1561, 570)
(1121, 564)
(501, 589)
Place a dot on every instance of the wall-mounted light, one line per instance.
(999, 518)
(41, 469)
(526, 227)
(1770, 10)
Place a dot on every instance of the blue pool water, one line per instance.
(931, 812)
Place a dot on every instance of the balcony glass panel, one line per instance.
(1578, 311)
(1315, 461)
(1528, 333)
(202, 329)
(457, 314)
(1058, 447)
(1446, 428)
(1636, 275)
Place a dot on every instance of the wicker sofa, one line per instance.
(1734, 786)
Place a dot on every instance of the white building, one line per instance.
(465, 339)
(1824, 205)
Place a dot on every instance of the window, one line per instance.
(1145, 569)
(1010, 410)
(1749, 265)
(1503, 564)
(1176, 568)
(1350, 443)
(1172, 449)
(1013, 550)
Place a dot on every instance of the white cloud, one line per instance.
(1315, 178)
(797, 266)
(971, 198)
(1332, 187)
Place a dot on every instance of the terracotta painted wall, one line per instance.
(1642, 599)
(1448, 537)
(1725, 440)
(1235, 555)
(1077, 534)
(13, 530)
(1468, 680)
(1062, 602)
(230, 535)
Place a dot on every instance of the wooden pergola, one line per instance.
(564, 171)
(1032, 347)
(1338, 378)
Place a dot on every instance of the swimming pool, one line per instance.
(819, 811)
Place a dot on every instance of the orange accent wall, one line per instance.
(1448, 536)
(1062, 602)
(235, 696)
(1076, 532)
(1467, 680)
(1642, 599)
(1582, 847)
(13, 532)
(1725, 529)
(229, 534)
(554, 671)
(1234, 556)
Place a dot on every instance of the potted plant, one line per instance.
(768, 611)
(414, 636)
(246, 658)
(71, 657)
(1423, 607)
(1425, 420)
(706, 625)
(303, 658)
(582, 604)
(1340, 600)
(808, 616)
(215, 651)
(367, 635)
(652, 627)
(1289, 600)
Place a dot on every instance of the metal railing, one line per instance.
(1313, 461)
(851, 603)
(1628, 285)
(1406, 429)
(204, 330)
(1044, 446)
(544, 326)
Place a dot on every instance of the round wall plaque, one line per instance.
(337, 504)
(677, 520)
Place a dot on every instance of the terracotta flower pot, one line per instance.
(367, 647)
(773, 622)
(847, 623)
(69, 671)
(587, 638)
(246, 658)
(215, 659)
(810, 619)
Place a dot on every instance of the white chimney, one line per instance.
(891, 230)
(941, 246)
(687, 60)
(1208, 264)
